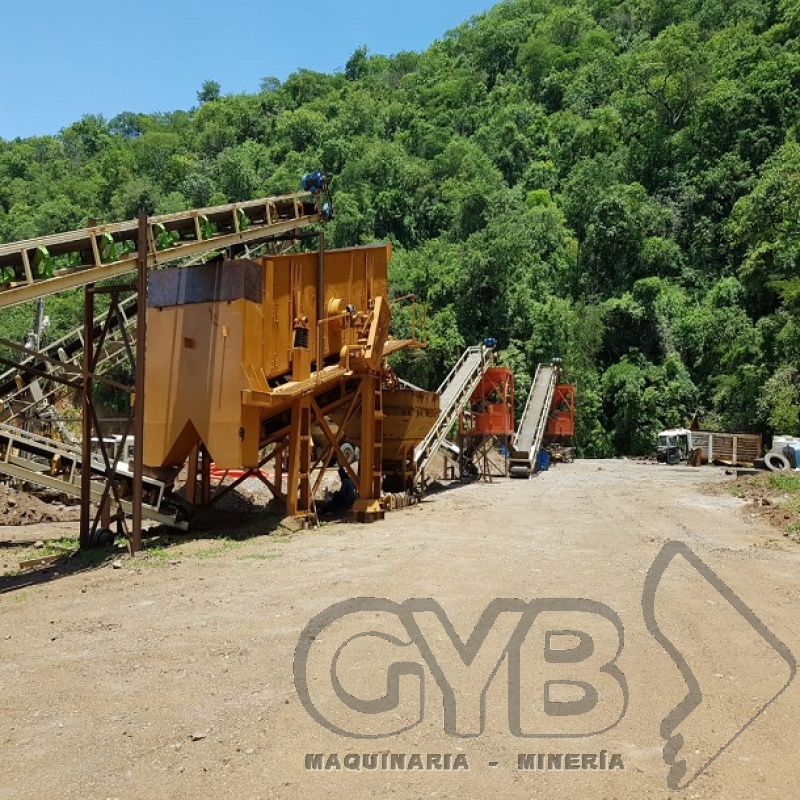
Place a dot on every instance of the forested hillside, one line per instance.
(613, 182)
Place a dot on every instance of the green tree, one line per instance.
(766, 224)
(612, 181)
(209, 91)
(780, 401)
(357, 65)
(670, 71)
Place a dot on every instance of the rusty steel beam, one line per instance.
(86, 241)
(86, 421)
(325, 462)
(333, 440)
(138, 388)
(256, 472)
(75, 371)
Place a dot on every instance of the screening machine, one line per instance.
(245, 357)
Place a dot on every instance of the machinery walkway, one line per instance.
(528, 439)
(455, 391)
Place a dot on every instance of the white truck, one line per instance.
(678, 444)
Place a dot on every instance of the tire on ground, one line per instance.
(777, 462)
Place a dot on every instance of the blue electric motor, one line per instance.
(543, 462)
(313, 182)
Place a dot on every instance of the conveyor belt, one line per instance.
(55, 465)
(16, 400)
(530, 433)
(455, 391)
(51, 264)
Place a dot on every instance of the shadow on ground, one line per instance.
(245, 522)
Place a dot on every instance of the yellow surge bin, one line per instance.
(198, 359)
(217, 332)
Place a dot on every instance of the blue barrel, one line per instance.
(543, 462)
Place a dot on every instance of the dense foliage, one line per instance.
(616, 182)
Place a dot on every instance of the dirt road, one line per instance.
(172, 677)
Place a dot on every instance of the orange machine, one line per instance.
(561, 419)
(489, 420)
(491, 405)
(244, 357)
(408, 416)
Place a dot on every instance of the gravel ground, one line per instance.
(170, 675)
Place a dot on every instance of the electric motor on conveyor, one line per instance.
(317, 184)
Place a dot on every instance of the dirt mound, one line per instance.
(773, 496)
(23, 508)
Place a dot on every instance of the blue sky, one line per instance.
(60, 60)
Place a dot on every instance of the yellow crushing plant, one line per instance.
(246, 359)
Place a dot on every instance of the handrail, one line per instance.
(527, 451)
(528, 401)
(468, 378)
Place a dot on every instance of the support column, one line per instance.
(368, 506)
(279, 466)
(298, 493)
(191, 475)
(321, 309)
(305, 456)
(205, 476)
(86, 418)
(138, 387)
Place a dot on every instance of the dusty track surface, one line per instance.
(172, 676)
